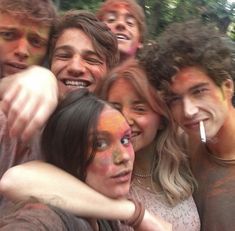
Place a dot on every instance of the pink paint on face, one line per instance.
(110, 171)
(75, 62)
(22, 43)
(195, 97)
(144, 122)
(123, 24)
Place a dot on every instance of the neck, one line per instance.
(222, 145)
(124, 57)
(144, 159)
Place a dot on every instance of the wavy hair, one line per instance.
(171, 167)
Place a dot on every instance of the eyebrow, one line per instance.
(70, 48)
(172, 94)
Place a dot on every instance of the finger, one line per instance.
(8, 97)
(37, 122)
(18, 108)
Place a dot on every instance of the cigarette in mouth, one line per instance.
(202, 132)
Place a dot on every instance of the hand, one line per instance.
(28, 99)
(153, 223)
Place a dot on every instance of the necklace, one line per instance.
(142, 175)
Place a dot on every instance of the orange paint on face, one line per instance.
(110, 170)
(22, 43)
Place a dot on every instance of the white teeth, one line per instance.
(75, 83)
(121, 37)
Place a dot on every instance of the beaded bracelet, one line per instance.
(138, 215)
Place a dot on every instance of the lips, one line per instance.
(78, 83)
(120, 36)
(14, 67)
(122, 176)
(193, 125)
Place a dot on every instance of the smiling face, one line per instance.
(144, 122)
(110, 171)
(195, 97)
(22, 43)
(123, 24)
(75, 62)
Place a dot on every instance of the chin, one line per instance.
(119, 193)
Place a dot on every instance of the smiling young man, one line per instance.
(195, 71)
(82, 51)
(24, 33)
(126, 20)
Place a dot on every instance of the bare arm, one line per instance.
(54, 186)
(28, 98)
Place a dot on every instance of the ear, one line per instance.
(140, 46)
(228, 88)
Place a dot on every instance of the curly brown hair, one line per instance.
(188, 44)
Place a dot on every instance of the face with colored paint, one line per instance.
(22, 43)
(144, 122)
(110, 171)
(195, 97)
(76, 64)
(123, 24)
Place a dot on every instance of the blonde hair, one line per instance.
(171, 167)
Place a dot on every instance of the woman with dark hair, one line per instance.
(89, 139)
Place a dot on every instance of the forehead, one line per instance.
(122, 84)
(76, 38)
(112, 121)
(187, 78)
(22, 24)
(120, 8)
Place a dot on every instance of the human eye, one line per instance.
(8, 35)
(131, 21)
(101, 144)
(199, 91)
(172, 100)
(140, 108)
(93, 60)
(62, 55)
(110, 17)
(37, 41)
(126, 140)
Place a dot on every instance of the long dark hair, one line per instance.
(66, 140)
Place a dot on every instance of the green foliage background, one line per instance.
(160, 13)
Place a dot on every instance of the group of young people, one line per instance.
(172, 108)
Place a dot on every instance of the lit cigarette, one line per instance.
(202, 132)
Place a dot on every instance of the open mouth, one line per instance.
(76, 83)
(122, 37)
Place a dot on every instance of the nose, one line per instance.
(122, 155)
(22, 49)
(76, 66)
(120, 24)
(190, 109)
